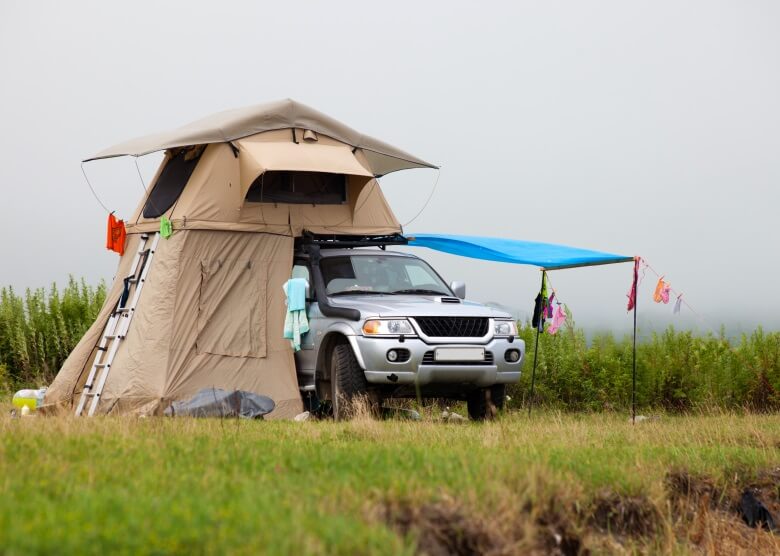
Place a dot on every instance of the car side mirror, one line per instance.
(459, 289)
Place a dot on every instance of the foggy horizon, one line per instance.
(631, 129)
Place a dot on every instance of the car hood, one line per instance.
(414, 306)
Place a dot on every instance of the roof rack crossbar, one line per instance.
(350, 241)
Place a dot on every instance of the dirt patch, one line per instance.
(447, 526)
(766, 487)
(693, 492)
(707, 515)
(557, 534)
(444, 527)
(632, 516)
(699, 513)
(689, 493)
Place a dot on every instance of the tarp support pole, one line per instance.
(633, 378)
(536, 348)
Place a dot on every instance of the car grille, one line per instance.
(430, 359)
(453, 327)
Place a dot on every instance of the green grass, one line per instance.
(152, 486)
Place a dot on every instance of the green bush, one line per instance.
(38, 331)
(676, 371)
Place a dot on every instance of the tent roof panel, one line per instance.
(284, 114)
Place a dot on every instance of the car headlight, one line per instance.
(387, 327)
(505, 328)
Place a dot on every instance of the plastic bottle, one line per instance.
(33, 399)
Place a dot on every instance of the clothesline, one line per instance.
(646, 266)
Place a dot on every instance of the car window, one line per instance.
(380, 274)
(420, 276)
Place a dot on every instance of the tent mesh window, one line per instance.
(173, 177)
(318, 188)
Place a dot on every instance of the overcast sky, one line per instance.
(639, 128)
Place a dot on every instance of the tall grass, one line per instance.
(676, 370)
(38, 330)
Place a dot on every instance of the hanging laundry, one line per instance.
(665, 291)
(166, 228)
(295, 322)
(558, 320)
(540, 306)
(658, 289)
(677, 305)
(537, 320)
(662, 291)
(550, 305)
(632, 293)
(116, 235)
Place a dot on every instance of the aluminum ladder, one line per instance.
(118, 324)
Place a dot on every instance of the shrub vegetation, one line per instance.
(676, 370)
(38, 330)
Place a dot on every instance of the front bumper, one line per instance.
(420, 370)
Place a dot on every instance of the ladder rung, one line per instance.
(142, 260)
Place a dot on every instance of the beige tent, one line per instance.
(238, 187)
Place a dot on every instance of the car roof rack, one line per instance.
(351, 241)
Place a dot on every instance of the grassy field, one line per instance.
(553, 483)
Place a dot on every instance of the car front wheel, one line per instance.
(484, 403)
(347, 381)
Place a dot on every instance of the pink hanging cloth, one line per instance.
(662, 291)
(665, 291)
(632, 294)
(558, 319)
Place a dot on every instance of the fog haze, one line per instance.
(645, 129)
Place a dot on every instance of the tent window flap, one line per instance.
(171, 182)
(319, 188)
(232, 308)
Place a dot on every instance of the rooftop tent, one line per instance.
(251, 120)
(239, 187)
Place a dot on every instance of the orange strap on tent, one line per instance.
(116, 235)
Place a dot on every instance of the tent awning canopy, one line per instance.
(238, 123)
(547, 256)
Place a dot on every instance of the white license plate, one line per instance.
(460, 354)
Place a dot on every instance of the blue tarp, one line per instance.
(545, 255)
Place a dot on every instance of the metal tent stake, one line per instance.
(539, 326)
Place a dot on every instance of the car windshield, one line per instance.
(380, 274)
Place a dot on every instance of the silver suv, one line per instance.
(384, 324)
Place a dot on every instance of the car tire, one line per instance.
(480, 407)
(347, 380)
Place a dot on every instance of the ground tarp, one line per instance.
(214, 402)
